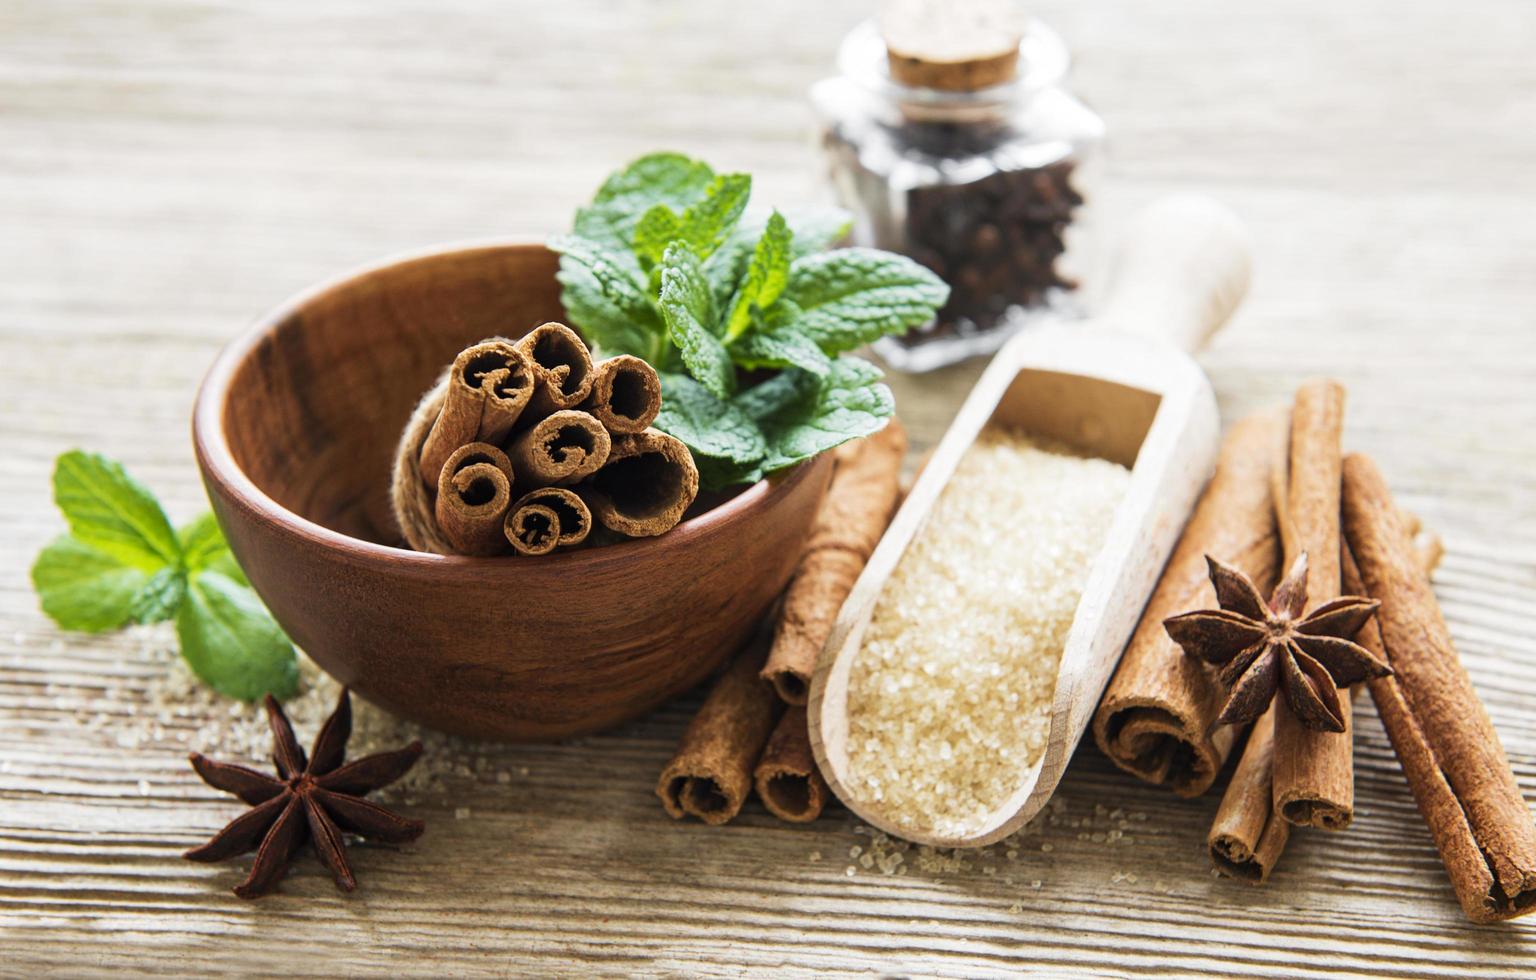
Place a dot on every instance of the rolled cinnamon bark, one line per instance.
(473, 493)
(626, 394)
(711, 773)
(645, 487)
(786, 777)
(1157, 718)
(561, 367)
(860, 501)
(564, 448)
(545, 519)
(1314, 778)
(1439, 728)
(487, 390)
(1247, 836)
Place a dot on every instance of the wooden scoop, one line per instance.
(1120, 387)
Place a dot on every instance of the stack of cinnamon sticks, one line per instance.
(751, 731)
(523, 445)
(1284, 488)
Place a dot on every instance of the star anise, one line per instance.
(1261, 647)
(319, 798)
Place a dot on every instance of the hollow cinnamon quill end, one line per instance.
(710, 775)
(566, 447)
(474, 491)
(786, 777)
(486, 391)
(570, 511)
(645, 487)
(532, 529)
(626, 394)
(561, 366)
(1149, 741)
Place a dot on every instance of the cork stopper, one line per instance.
(952, 45)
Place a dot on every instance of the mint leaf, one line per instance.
(803, 416)
(701, 227)
(109, 510)
(707, 224)
(658, 178)
(203, 547)
(605, 300)
(852, 296)
(688, 307)
(83, 588)
(719, 474)
(201, 542)
(707, 425)
(768, 346)
(813, 229)
(767, 275)
(231, 641)
(160, 597)
(658, 228)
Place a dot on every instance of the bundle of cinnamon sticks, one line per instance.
(523, 445)
(1284, 487)
(751, 731)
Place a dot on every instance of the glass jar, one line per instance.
(987, 188)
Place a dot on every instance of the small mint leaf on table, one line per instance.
(606, 299)
(713, 429)
(688, 307)
(230, 640)
(767, 275)
(657, 178)
(852, 296)
(112, 512)
(202, 542)
(83, 588)
(160, 597)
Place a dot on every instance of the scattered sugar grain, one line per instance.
(949, 698)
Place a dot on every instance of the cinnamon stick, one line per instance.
(1314, 778)
(1247, 836)
(1439, 728)
(561, 367)
(645, 486)
(473, 493)
(786, 777)
(860, 501)
(711, 774)
(1157, 717)
(626, 394)
(563, 448)
(486, 391)
(547, 518)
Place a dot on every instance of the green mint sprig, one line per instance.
(748, 320)
(122, 562)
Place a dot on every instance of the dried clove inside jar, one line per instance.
(952, 140)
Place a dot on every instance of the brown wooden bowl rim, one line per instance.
(219, 466)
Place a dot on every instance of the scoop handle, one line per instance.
(1180, 272)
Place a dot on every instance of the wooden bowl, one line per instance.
(295, 430)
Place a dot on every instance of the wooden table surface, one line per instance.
(170, 168)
